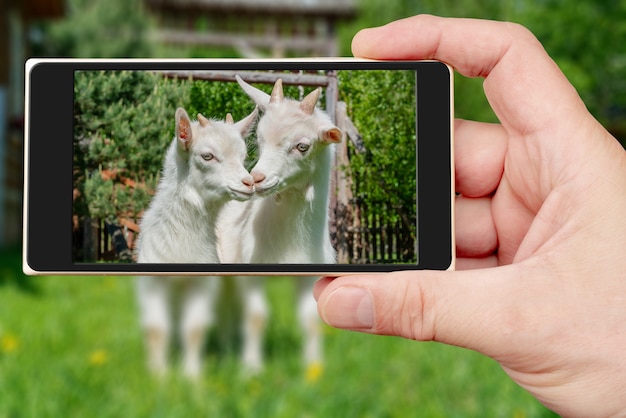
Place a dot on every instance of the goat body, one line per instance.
(289, 223)
(203, 170)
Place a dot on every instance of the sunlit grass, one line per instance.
(71, 346)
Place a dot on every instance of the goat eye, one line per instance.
(302, 147)
(207, 157)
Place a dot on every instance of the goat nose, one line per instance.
(248, 181)
(258, 177)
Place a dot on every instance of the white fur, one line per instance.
(203, 170)
(289, 223)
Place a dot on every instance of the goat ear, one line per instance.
(307, 105)
(229, 119)
(333, 134)
(259, 97)
(203, 121)
(183, 128)
(277, 92)
(245, 125)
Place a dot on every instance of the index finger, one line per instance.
(524, 86)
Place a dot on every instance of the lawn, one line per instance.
(71, 347)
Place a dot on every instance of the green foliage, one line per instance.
(212, 99)
(131, 114)
(584, 37)
(100, 29)
(100, 200)
(381, 104)
(124, 122)
(215, 98)
(586, 40)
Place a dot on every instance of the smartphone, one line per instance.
(237, 167)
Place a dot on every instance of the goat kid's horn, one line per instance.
(277, 92)
(203, 121)
(307, 105)
(229, 119)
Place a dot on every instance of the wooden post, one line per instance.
(343, 187)
(332, 96)
(90, 240)
(331, 99)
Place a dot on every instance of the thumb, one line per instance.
(471, 309)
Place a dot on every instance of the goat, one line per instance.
(203, 170)
(289, 223)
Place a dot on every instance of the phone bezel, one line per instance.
(48, 121)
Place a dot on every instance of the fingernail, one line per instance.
(349, 307)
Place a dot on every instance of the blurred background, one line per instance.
(71, 345)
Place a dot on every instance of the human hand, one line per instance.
(540, 227)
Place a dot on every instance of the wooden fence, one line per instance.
(368, 237)
(99, 240)
(379, 236)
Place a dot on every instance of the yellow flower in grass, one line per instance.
(9, 343)
(98, 358)
(314, 372)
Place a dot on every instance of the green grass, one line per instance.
(71, 347)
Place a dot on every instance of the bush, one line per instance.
(123, 125)
(381, 105)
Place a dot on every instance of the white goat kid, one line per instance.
(203, 170)
(290, 223)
